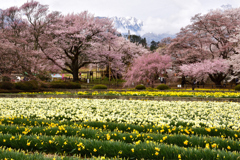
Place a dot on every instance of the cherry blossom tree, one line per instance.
(234, 60)
(164, 42)
(39, 19)
(234, 63)
(74, 41)
(207, 68)
(109, 57)
(127, 52)
(207, 38)
(18, 47)
(11, 29)
(147, 67)
(8, 59)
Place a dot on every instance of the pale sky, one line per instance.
(158, 16)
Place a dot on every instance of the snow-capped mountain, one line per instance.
(123, 24)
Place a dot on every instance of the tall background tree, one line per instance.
(138, 40)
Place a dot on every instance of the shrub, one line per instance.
(73, 85)
(6, 79)
(237, 88)
(140, 87)
(100, 86)
(6, 85)
(27, 85)
(163, 87)
(44, 85)
(65, 85)
(58, 85)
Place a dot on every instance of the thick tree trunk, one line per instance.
(152, 84)
(75, 75)
(75, 71)
(217, 78)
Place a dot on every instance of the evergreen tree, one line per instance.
(154, 45)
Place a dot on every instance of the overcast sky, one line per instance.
(158, 16)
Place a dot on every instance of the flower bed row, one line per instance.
(217, 94)
(51, 127)
(109, 148)
(179, 138)
(208, 114)
(105, 143)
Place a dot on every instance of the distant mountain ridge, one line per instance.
(156, 37)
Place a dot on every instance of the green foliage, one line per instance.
(162, 87)
(138, 40)
(100, 86)
(27, 85)
(58, 84)
(151, 89)
(65, 85)
(237, 88)
(106, 81)
(140, 87)
(6, 79)
(6, 85)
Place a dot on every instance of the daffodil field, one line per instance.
(55, 128)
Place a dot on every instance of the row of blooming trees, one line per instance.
(207, 48)
(35, 40)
